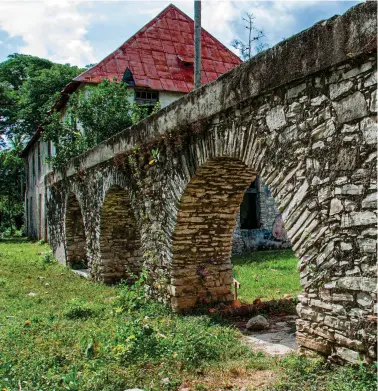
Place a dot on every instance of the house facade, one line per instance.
(157, 64)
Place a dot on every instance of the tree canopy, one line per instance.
(91, 116)
(11, 182)
(28, 88)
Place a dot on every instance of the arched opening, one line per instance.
(259, 224)
(202, 240)
(120, 245)
(76, 250)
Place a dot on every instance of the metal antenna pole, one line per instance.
(197, 44)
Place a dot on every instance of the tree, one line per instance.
(39, 93)
(254, 43)
(91, 116)
(11, 180)
(28, 87)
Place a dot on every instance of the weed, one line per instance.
(48, 257)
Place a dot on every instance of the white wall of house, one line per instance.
(35, 194)
(167, 97)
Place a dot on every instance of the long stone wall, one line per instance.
(302, 116)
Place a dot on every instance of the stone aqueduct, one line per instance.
(301, 115)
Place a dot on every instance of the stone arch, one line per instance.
(202, 239)
(120, 242)
(76, 249)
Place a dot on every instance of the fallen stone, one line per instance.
(257, 323)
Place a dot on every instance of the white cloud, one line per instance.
(51, 29)
(58, 29)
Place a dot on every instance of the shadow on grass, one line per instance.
(16, 240)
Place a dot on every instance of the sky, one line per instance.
(82, 32)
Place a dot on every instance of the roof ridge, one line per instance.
(219, 43)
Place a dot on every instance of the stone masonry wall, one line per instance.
(205, 219)
(119, 238)
(311, 137)
(75, 234)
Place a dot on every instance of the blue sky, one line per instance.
(81, 32)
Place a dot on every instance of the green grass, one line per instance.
(301, 374)
(266, 274)
(60, 332)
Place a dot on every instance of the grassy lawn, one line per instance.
(60, 332)
(266, 274)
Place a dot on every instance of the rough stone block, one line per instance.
(275, 118)
(364, 284)
(355, 219)
(369, 130)
(351, 107)
(336, 90)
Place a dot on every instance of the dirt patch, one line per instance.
(277, 340)
(233, 379)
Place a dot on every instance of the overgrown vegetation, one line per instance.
(92, 115)
(29, 86)
(11, 181)
(266, 275)
(301, 374)
(61, 332)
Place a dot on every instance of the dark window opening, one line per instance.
(186, 62)
(250, 208)
(49, 148)
(39, 158)
(128, 78)
(33, 166)
(146, 98)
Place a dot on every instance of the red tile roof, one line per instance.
(160, 56)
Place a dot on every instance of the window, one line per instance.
(49, 148)
(26, 214)
(148, 98)
(250, 208)
(28, 174)
(30, 224)
(33, 166)
(128, 78)
(39, 158)
(40, 215)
